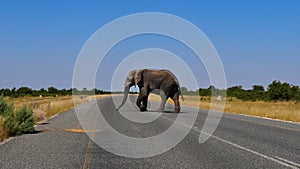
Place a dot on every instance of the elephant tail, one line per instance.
(182, 98)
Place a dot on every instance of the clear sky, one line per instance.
(258, 41)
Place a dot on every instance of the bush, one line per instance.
(3, 105)
(21, 121)
(25, 120)
(18, 122)
(4, 110)
(279, 91)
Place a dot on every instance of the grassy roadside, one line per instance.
(282, 110)
(44, 107)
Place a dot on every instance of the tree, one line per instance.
(64, 92)
(42, 92)
(211, 87)
(258, 88)
(295, 93)
(204, 92)
(257, 92)
(22, 91)
(85, 91)
(279, 91)
(75, 91)
(234, 91)
(52, 90)
(13, 91)
(5, 92)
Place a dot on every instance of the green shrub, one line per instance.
(25, 120)
(3, 105)
(280, 91)
(5, 110)
(18, 122)
(21, 121)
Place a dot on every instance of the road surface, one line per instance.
(238, 142)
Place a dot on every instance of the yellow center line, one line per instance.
(87, 163)
(80, 131)
(71, 130)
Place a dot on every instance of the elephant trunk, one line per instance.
(126, 91)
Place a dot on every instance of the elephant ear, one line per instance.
(137, 77)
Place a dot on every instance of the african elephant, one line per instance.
(149, 80)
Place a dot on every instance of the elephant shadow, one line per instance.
(165, 112)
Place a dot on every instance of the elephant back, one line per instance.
(172, 75)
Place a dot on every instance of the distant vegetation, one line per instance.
(51, 91)
(276, 91)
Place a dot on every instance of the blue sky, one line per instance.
(257, 41)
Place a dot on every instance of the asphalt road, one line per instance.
(238, 141)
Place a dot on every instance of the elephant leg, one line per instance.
(142, 98)
(139, 100)
(175, 98)
(163, 101)
(145, 103)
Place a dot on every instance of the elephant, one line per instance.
(148, 81)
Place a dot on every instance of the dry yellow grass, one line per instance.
(3, 131)
(44, 107)
(282, 110)
(47, 106)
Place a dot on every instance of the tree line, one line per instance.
(276, 91)
(50, 91)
